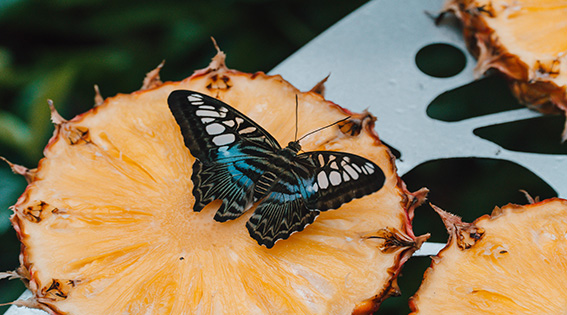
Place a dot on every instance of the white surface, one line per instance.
(16, 310)
(371, 57)
(429, 249)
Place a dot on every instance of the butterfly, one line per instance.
(240, 163)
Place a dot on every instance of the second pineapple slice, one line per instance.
(512, 262)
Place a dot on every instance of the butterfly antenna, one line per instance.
(319, 129)
(296, 114)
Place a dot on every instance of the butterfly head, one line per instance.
(294, 146)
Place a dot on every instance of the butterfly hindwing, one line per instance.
(280, 214)
(231, 183)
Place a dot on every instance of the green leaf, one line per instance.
(55, 86)
(14, 132)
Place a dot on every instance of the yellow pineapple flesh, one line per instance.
(512, 262)
(107, 226)
(526, 40)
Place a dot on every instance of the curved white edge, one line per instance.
(429, 249)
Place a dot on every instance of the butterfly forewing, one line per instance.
(209, 126)
(340, 177)
(231, 151)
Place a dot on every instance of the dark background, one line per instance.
(59, 49)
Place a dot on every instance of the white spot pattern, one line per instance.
(351, 171)
(206, 107)
(195, 98)
(224, 139)
(229, 123)
(369, 167)
(335, 178)
(207, 120)
(207, 113)
(321, 159)
(322, 180)
(215, 129)
(356, 167)
(315, 187)
(247, 130)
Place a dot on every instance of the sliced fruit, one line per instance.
(526, 40)
(107, 226)
(511, 262)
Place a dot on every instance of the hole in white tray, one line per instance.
(482, 97)
(535, 135)
(440, 60)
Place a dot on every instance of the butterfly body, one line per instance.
(240, 163)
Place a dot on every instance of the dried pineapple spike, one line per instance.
(319, 88)
(98, 99)
(55, 117)
(529, 197)
(28, 174)
(217, 64)
(465, 234)
(152, 79)
(9, 275)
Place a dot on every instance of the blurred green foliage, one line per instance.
(59, 49)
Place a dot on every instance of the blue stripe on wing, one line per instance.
(279, 215)
(233, 183)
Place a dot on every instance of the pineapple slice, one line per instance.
(526, 40)
(107, 226)
(512, 262)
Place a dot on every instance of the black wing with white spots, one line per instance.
(238, 162)
(231, 151)
(334, 178)
(340, 177)
(209, 126)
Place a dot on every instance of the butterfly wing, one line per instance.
(317, 181)
(284, 210)
(232, 182)
(209, 125)
(340, 177)
(230, 151)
